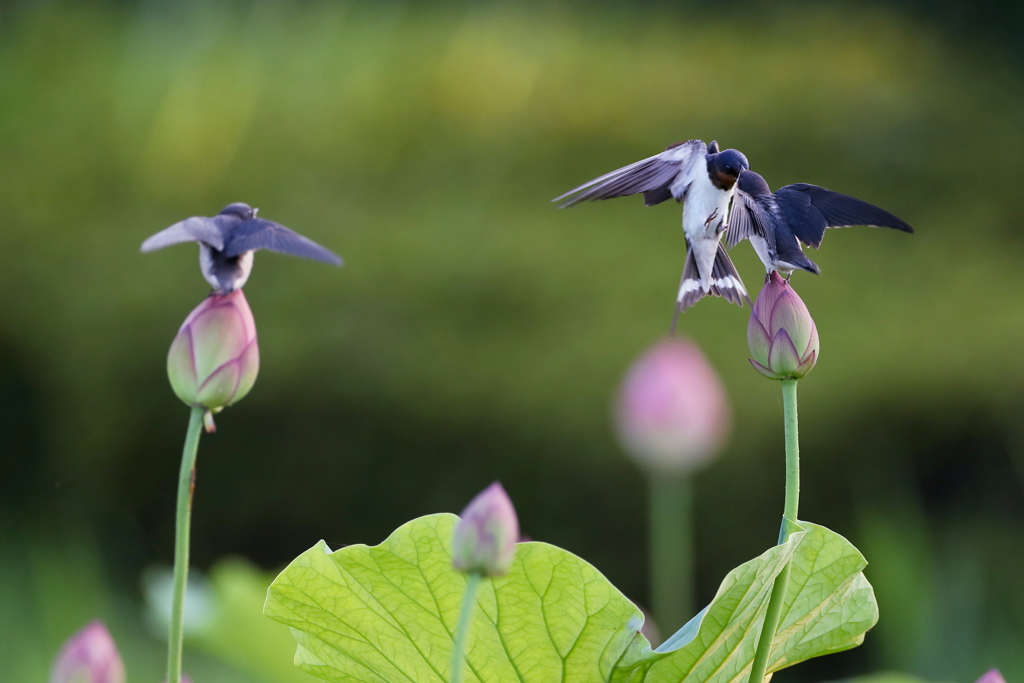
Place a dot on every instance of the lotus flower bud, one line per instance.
(89, 656)
(992, 676)
(214, 360)
(486, 535)
(781, 334)
(672, 413)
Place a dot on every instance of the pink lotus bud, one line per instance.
(486, 535)
(672, 413)
(214, 360)
(992, 676)
(781, 334)
(89, 656)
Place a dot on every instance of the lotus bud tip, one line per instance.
(486, 535)
(89, 656)
(214, 359)
(781, 334)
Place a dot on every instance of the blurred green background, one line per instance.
(478, 333)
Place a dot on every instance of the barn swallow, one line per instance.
(703, 179)
(227, 242)
(776, 223)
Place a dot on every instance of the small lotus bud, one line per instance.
(992, 676)
(214, 360)
(672, 413)
(89, 656)
(486, 535)
(781, 334)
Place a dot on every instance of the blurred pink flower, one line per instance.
(214, 359)
(672, 413)
(992, 676)
(782, 336)
(89, 656)
(486, 535)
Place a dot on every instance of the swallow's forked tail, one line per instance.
(725, 282)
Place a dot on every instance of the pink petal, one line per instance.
(249, 366)
(764, 371)
(812, 343)
(769, 294)
(218, 336)
(672, 412)
(758, 340)
(790, 314)
(181, 370)
(91, 656)
(807, 365)
(219, 388)
(485, 537)
(783, 359)
(992, 676)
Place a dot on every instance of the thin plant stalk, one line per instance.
(462, 629)
(183, 520)
(775, 602)
(671, 549)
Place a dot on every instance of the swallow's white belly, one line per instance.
(705, 210)
(760, 245)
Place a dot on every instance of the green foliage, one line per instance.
(885, 677)
(389, 612)
(238, 633)
(474, 320)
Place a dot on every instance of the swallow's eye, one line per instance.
(731, 170)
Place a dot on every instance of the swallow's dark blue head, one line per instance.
(240, 209)
(753, 184)
(725, 167)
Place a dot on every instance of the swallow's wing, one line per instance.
(652, 176)
(258, 233)
(195, 229)
(747, 219)
(809, 209)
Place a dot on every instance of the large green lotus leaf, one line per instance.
(387, 614)
(829, 606)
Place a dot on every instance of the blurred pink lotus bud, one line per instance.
(781, 334)
(89, 656)
(486, 535)
(672, 413)
(992, 676)
(214, 360)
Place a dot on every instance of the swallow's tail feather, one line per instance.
(726, 281)
(691, 290)
(795, 259)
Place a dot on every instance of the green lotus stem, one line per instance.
(183, 519)
(792, 459)
(775, 603)
(671, 549)
(462, 630)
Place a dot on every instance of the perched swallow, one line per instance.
(776, 223)
(703, 179)
(227, 242)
